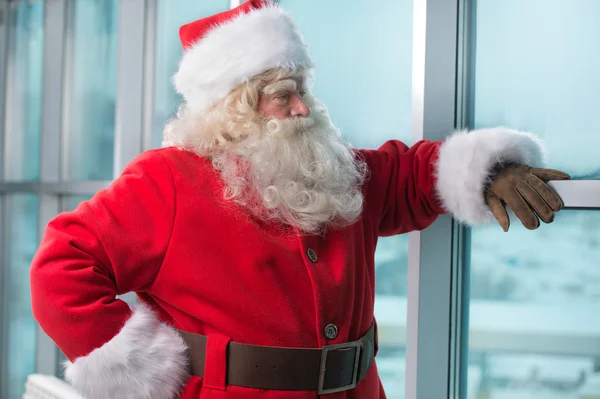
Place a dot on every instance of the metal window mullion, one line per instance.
(430, 297)
(459, 331)
(52, 104)
(414, 239)
(4, 40)
(149, 71)
(66, 140)
(56, 188)
(129, 118)
(4, 309)
(8, 89)
(3, 275)
(578, 194)
(55, 19)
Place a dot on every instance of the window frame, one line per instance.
(437, 331)
(50, 189)
(576, 194)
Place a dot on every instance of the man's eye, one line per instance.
(282, 96)
(302, 93)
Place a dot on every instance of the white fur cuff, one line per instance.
(465, 163)
(145, 360)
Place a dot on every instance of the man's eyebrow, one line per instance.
(280, 85)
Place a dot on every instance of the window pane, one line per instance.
(534, 304)
(23, 111)
(91, 82)
(20, 228)
(70, 202)
(363, 75)
(540, 73)
(170, 15)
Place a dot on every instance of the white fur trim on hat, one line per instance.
(232, 53)
(145, 360)
(466, 160)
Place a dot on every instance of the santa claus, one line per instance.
(250, 237)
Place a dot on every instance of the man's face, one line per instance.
(294, 166)
(283, 99)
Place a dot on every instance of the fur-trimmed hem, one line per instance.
(145, 360)
(466, 160)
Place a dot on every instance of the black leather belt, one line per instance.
(333, 368)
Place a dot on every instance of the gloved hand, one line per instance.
(525, 191)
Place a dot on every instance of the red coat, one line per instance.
(164, 231)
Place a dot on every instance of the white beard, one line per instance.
(297, 171)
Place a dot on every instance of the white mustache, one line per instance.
(295, 124)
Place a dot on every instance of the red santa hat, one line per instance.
(226, 49)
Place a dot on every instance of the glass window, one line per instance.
(540, 73)
(534, 294)
(20, 225)
(90, 95)
(534, 304)
(363, 76)
(170, 15)
(70, 202)
(23, 112)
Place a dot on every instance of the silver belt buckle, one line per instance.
(323, 369)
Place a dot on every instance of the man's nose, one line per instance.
(298, 107)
